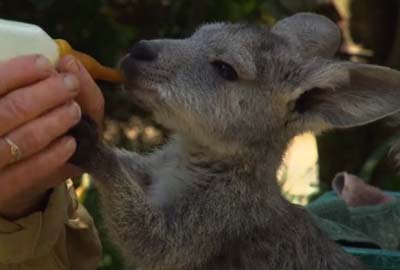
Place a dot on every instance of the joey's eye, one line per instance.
(225, 70)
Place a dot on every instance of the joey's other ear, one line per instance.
(309, 34)
(345, 94)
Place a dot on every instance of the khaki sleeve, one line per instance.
(63, 236)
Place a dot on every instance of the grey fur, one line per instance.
(310, 35)
(209, 198)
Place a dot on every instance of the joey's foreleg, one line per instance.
(135, 225)
(105, 165)
(141, 229)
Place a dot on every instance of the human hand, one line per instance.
(90, 97)
(36, 109)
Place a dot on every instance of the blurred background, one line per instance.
(107, 28)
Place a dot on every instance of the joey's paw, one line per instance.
(87, 139)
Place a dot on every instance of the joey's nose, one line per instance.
(143, 51)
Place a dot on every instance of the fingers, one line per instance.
(35, 110)
(39, 133)
(34, 67)
(90, 97)
(22, 177)
(27, 103)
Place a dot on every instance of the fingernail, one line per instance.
(75, 111)
(70, 144)
(43, 64)
(72, 64)
(70, 82)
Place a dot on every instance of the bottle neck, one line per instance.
(96, 70)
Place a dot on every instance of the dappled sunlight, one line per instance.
(298, 174)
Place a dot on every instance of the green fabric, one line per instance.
(368, 226)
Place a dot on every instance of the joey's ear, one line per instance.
(345, 94)
(309, 34)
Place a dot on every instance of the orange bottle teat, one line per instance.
(96, 70)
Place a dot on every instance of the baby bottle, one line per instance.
(17, 38)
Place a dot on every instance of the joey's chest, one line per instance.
(173, 184)
(169, 182)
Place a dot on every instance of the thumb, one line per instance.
(90, 97)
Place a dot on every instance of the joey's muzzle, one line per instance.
(141, 53)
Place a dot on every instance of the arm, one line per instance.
(61, 236)
(33, 198)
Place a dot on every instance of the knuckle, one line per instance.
(61, 121)
(67, 81)
(35, 138)
(52, 160)
(18, 106)
(46, 161)
(52, 84)
(61, 153)
(32, 167)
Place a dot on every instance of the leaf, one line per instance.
(42, 4)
